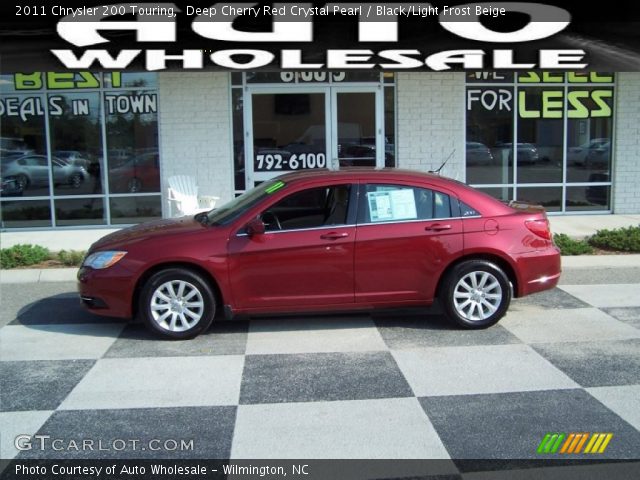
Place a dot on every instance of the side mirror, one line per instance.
(255, 227)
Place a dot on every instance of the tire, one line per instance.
(164, 307)
(134, 185)
(75, 180)
(22, 181)
(480, 307)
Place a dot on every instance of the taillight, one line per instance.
(539, 228)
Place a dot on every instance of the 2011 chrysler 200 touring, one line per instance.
(322, 241)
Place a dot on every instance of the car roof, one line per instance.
(478, 199)
(357, 173)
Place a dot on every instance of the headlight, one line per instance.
(100, 260)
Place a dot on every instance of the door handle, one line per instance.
(437, 227)
(334, 235)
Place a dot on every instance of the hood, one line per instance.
(148, 230)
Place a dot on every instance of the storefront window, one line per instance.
(76, 143)
(589, 136)
(53, 148)
(562, 122)
(26, 214)
(489, 146)
(132, 141)
(136, 209)
(540, 112)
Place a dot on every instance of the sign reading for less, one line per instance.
(546, 101)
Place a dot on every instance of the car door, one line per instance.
(304, 258)
(38, 169)
(406, 235)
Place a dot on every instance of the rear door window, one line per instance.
(380, 203)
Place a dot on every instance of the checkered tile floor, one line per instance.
(388, 385)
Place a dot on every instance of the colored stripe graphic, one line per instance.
(598, 443)
(550, 442)
(574, 442)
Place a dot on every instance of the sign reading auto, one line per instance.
(377, 23)
(581, 101)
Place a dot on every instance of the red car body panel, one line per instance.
(333, 267)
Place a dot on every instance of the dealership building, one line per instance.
(92, 151)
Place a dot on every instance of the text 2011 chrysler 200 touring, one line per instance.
(322, 241)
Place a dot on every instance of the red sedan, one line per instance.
(325, 241)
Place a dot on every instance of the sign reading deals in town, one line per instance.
(544, 94)
(23, 105)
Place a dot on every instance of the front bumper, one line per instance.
(107, 292)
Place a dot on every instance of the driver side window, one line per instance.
(311, 208)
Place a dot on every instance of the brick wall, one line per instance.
(431, 122)
(626, 178)
(195, 131)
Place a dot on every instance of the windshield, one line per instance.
(236, 207)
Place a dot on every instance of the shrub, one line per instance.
(623, 239)
(569, 246)
(71, 258)
(22, 256)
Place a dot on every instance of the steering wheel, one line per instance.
(270, 219)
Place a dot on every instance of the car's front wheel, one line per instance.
(177, 303)
(476, 294)
(75, 180)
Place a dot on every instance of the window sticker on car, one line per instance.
(275, 187)
(392, 205)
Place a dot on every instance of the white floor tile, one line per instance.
(387, 429)
(57, 342)
(19, 423)
(567, 325)
(624, 401)
(602, 296)
(159, 382)
(474, 370)
(310, 335)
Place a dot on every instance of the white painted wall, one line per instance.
(626, 176)
(195, 131)
(431, 121)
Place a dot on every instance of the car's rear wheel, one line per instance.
(475, 294)
(177, 303)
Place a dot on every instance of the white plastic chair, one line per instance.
(184, 199)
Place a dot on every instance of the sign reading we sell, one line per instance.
(24, 107)
(377, 24)
(544, 94)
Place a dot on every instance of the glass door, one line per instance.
(286, 131)
(289, 129)
(357, 127)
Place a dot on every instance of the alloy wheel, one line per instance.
(477, 296)
(177, 306)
